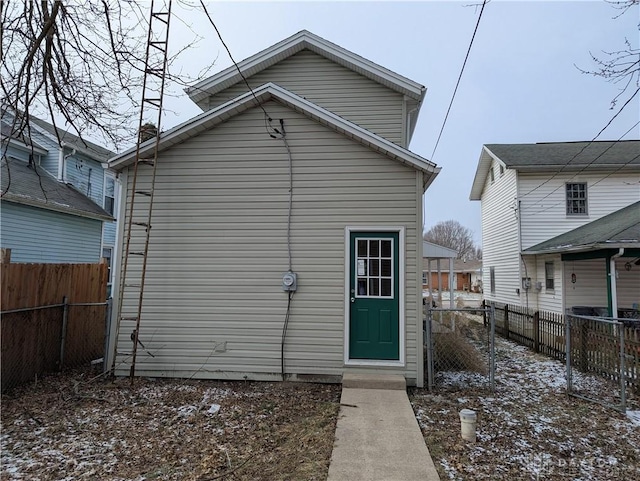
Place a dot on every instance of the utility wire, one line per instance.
(587, 146)
(459, 78)
(267, 116)
(586, 167)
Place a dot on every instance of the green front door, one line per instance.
(374, 328)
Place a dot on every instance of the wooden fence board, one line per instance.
(31, 339)
(595, 346)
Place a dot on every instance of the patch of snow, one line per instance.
(634, 417)
(214, 409)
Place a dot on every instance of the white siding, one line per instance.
(335, 88)
(500, 237)
(544, 212)
(590, 288)
(546, 299)
(218, 249)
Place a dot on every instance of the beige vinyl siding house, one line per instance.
(333, 87)
(331, 77)
(525, 207)
(214, 305)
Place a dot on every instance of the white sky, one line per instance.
(520, 83)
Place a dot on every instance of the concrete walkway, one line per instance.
(377, 436)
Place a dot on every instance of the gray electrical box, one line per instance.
(290, 281)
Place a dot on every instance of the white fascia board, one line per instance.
(583, 248)
(263, 93)
(293, 45)
(23, 146)
(484, 165)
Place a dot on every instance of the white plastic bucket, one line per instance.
(468, 421)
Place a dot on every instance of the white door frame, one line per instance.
(400, 230)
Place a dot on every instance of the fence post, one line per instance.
(584, 352)
(107, 332)
(65, 321)
(429, 336)
(484, 313)
(567, 337)
(506, 320)
(536, 331)
(623, 371)
(492, 351)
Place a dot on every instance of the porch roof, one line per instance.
(620, 229)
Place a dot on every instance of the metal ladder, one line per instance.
(138, 221)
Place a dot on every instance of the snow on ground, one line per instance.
(529, 428)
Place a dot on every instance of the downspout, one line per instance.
(61, 163)
(612, 290)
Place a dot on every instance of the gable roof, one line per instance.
(73, 141)
(264, 93)
(553, 156)
(31, 185)
(618, 229)
(294, 44)
(20, 139)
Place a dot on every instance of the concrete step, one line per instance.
(374, 381)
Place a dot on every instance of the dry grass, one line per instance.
(164, 430)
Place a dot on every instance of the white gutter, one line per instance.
(61, 163)
(614, 287)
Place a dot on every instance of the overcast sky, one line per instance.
(520, 84)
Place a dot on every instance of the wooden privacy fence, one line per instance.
(595, 348)
(53, 316)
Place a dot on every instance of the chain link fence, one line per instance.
(605, 351)
(460, 348)
(45, 339)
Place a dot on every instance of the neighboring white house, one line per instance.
(548, 240)
(214, 302)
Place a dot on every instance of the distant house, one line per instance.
(216, 304)
(467, 276)
(66, 176)
(560, 225)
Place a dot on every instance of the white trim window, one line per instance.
(549, 276)
(110, 194)
(577, 198)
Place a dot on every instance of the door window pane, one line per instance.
(374, 268)
(362, 248)
(386, 248)
(386, 287)
(374, 248)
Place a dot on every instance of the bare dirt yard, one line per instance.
(528, 429)
(67, 429)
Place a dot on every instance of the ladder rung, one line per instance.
(160, 45)
(137, 253)
(129, 318)
(141, 224)
(153, 101)
(144, 192)
(132, 285)
(147, 161)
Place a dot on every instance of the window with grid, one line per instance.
(374, 262)
(424, 278)
(549, 275)
(577, 198)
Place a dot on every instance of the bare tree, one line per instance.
(454, 235)
(82, 62)
(619, 66)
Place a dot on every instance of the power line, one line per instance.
(459, 78)
(587, 166)
(267, 116)
(587, 146)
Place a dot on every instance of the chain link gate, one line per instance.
(460, 347)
